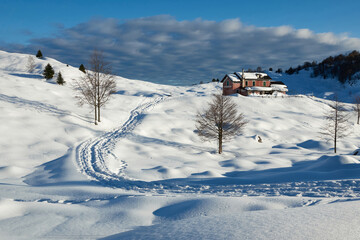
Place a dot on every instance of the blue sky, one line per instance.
(24, 19)
(57, 27)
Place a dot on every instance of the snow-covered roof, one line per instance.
(279, 87)
(253, 75)
(259, 88)
(233, 77)
(237, 76)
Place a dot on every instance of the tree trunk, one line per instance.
(220, 142)
(336, 128)
(95, 110)
(335, 140)
(98, 94)
(98, 113)
(220, 146)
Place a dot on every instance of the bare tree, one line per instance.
(30, 65)
(336, 126)
(220, 120)
(86, 93)
(357, 107)
(97, 85)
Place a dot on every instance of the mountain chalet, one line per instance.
(251, 83)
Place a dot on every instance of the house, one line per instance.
(250, 83)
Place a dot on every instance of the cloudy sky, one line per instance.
(181, 42)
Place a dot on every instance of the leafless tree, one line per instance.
(220, 121)
(357, 107)
(336, 126)
(97, 85)
(30, 65)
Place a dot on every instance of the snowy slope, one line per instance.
(144, 172)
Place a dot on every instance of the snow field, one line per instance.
(165, 146)
(153, 178)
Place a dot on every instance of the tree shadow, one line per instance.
(27, 75)
(42, 107)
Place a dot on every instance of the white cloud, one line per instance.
(304, 33)
(162, 48)
(230, 25)
(282, 30)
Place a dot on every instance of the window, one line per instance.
(254, 82)
(246, 83)
(264, 84)
(227, 83)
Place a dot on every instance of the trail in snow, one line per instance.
(92, 155)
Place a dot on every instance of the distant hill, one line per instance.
(345, 68)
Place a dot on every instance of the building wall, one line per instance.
(232, 88)
(258, 83)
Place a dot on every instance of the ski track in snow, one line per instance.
(92, 154)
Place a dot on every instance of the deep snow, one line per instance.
(143, 172)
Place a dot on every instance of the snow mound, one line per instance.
(206, 174)
(218, 206)
(313, 144)
(12, 171)
(9, 209)
(333, 163)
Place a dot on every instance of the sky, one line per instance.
(181, 41)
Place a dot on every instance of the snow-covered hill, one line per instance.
(63, 177)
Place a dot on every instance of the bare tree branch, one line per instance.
(357, 107)
(336, 126)
(30, 65)
(220, 121)
(97, 85)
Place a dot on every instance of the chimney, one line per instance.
(243, 78)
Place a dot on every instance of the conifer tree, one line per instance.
(279, 70)
(39, 54)
(60, 79)
(82, 68)
(48, 72)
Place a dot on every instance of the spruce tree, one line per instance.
(82, 68)
(60, 79)
(39, 54)
(48, 72)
